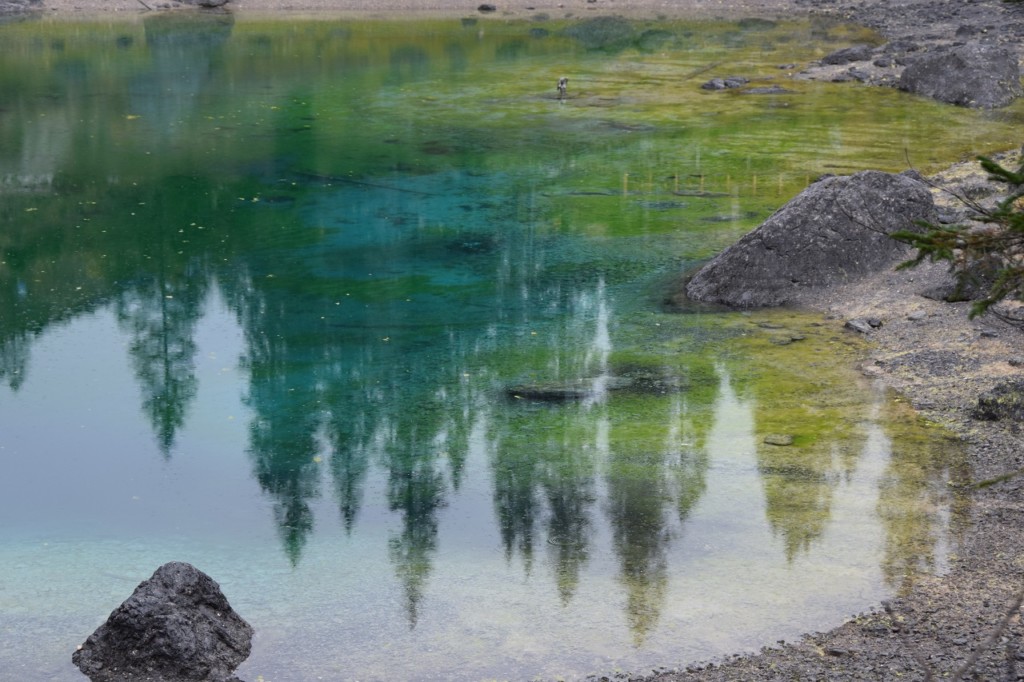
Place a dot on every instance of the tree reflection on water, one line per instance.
(392, 279)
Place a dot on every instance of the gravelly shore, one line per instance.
(944, 621)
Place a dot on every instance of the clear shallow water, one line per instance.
(272, 294)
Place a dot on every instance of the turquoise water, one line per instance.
(277, 299)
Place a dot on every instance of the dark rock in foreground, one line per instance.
(176, 627)
(972, 75)
(834, 232)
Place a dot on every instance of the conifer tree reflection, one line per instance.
(458, 425)
(798, 488)
(185, 50)
(544, 464)
(638, 496)
(690, 420)
(14, 356)
(543, 469)
(349, 465)
(416, 489)
(913, 493)
(569, 491)
(515, 500)
(648, 477)
(689, 468)
(284, 453)
(15, 342)
(284, 449)
(287, 414)
(160, 313)
(800, 480)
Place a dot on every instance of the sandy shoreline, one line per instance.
(945, 619)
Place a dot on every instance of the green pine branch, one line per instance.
(997, 249)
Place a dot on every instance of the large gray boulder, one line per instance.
(833, 232)
(972, 75)
(176, 627)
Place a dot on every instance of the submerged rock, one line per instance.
(769, 90)
(727, 83)
(835, 231)
(779, 439)
(972, 75)
(175, 627)
(637, 380)
(551, 393)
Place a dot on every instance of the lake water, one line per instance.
(278, 298)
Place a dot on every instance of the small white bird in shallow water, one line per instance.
(563, 86)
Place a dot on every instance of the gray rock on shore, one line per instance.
(857, 53)
(834, 232)
(972, 75)
(175, 627)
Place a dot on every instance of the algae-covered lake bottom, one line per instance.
(278, 298)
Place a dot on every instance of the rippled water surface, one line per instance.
(361, 320)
